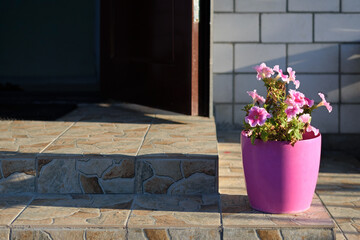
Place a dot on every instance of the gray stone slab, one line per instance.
(312, 84)
(223, 58)
(311, 58)
(350, 6)
(247, 56)
(337, 27)
(223, 85)
(223, 5)
(350, 58)
(236, 27)
(260, 6)
(350, 88)
(314, 6)
(349, 118)
(294, 27)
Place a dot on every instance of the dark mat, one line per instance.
(41, 111)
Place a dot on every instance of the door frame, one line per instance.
(201, 67)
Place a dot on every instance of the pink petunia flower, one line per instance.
(296, 97)
(309, 102)
(292, 77)
(281, 75)
(257, 116)
(263, 71)
(306, 118)
(256, 97)
(324, 103)
(312, 129)
(292, 111)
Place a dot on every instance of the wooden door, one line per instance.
(149, 53)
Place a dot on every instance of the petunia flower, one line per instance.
(309, 102)
(281, 75)
(306, 118)
(296, 97)
(292, 77)
(256, 97)
(257, 116)
(324, 103)
(292, 111)
(263, 71)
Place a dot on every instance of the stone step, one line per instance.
(119, 148)
(153, 216)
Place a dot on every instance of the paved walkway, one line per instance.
(69, 214)
(338, 185)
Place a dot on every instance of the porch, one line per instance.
(116, 171)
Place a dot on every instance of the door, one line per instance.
(149, 53)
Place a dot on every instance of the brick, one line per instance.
(223, 113)
(236, 27)
(307, 233)
(239, 114)
(314, 6)
(350, 6)
(314, 57)
(289, 27)
(323, 120)
(311, 85)
(350, 58)
(337, 27)
(239, 233)
(350, 88)
(223, 5)
(247, 82)
(223, 58)
(260, 6)
(223, 88)
(249, 55)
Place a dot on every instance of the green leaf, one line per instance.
(253, 137)
(264, 136)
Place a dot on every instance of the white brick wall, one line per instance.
(350, 89)
(249, 55)
(312, 84)
(337, 27)
(320, 39)
(350, 114)
(322, 58)
(260, 5)
(326, 122)
(236, 27)
(350, 5)
(286, 27)
(314, 5)
(350, 58)
(223, 85)
(223, 58)
(247, 82)
(223, 5)
(223, 114)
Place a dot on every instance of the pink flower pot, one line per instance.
(281, 178)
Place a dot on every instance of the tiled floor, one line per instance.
(27, 152)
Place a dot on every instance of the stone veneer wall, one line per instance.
(319, 39)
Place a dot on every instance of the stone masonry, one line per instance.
(128, 152)
(319, 39)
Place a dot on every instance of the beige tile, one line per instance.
(175, 211)
(77, 210)
(11, 206)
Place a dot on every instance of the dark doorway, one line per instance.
(150, 54)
